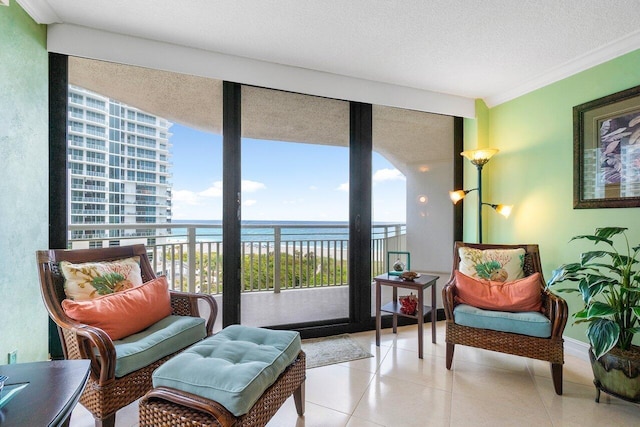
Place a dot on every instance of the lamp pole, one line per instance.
(479, 167)
(479, 163)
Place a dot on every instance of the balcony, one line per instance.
(303, 264)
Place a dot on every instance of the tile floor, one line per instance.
(395, 388)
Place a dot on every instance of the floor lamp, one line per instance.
(479, 158)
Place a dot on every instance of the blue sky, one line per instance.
(280, 181)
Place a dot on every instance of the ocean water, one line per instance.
(264, 231)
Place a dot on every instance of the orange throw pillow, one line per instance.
(519, 295)
(124, 313)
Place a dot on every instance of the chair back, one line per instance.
(52, 280)
(531, 265)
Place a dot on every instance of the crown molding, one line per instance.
(584, 62)
(40, 11)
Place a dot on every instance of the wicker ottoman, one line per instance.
(239, 377)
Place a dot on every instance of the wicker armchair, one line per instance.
(553, 307)
(105, 393)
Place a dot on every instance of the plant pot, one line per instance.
(618, 373)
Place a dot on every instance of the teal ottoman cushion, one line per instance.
(529, 323)
(157, 341)
(233, 367)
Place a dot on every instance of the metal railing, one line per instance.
(275, 257)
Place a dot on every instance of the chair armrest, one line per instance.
(82, 341)
(186, 304)
(449, 293)
(556, 310)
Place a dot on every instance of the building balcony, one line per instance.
(275, 257)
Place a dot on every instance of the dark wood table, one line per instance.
(418, 285)
(53, 390)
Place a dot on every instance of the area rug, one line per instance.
(335, 349)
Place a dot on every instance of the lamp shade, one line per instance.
(456, 196)
(480, 156)
(504, 210)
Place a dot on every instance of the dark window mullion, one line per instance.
(360, 199)
(58, 204)
(231, 187)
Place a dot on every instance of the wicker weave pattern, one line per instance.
(106, 400)
(70, 340)
(180, 306)
(546, 349)
(155, 412)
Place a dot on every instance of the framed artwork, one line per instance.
(606, 151)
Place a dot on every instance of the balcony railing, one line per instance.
(274, 257)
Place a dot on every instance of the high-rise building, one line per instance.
(119, 169)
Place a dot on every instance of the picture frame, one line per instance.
(606, 151)
(403, 257)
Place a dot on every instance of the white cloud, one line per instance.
(214, 191)
(382, 175)
(313, 187)
(249, 202)
(252, 186)
(185, 196)
(298, 201)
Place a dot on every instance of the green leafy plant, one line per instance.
(609, 283)
(107, 283)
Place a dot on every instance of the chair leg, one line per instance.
(556, 375)
(109, 421)
(298, 398)
(450, 348)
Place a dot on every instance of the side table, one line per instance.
(52, 391)
(418, 285)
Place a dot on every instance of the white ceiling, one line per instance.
(490, 49)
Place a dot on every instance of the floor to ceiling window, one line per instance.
(295, 207)
(420, 147)
(145, 166)
(324, 188)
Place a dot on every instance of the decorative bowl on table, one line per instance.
(409, 276)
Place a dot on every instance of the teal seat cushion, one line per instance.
(161, 339)
(529, 323)
(233, 367)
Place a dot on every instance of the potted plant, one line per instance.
(609, 283)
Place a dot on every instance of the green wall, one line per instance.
(534, 169)
(23, 183)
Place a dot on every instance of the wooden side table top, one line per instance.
(421, 282)
(53, 389)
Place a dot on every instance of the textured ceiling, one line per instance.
(405, 137)
(476, 49)
(190, 100)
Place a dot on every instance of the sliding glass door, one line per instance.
(144, 156)
(281, 205)
(295, 208)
